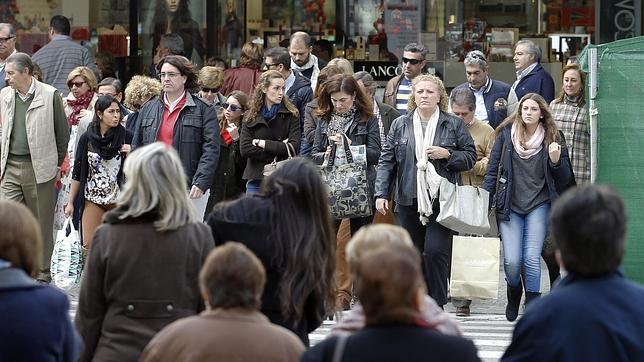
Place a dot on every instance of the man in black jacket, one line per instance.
(297, 87)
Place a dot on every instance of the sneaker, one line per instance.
(463, 311)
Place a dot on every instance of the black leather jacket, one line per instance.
(398, 156)
(196, 137)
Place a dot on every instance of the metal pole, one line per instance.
(592, 79)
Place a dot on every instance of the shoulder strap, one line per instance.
(340, 345)
(499, 171)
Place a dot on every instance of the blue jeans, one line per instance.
(523, 237)
(252, 186)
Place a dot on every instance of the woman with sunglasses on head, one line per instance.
(228, 183)
(270, 129)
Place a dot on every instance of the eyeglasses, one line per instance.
(232, 107)
(168, 75)
(268, 65)
(473, 55)
(209, 90)
(76, 84)
(4, 40)
(411, 61)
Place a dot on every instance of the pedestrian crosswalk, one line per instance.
(491, 333)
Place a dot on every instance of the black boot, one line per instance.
(530, 296)
(514, 301)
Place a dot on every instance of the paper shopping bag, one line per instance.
(475, 267)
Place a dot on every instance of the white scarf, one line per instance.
(428, 181)
(312, 63)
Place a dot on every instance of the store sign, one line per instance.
(619, 19)
(381, 71)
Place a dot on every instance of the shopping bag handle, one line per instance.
(347, 151)
(68, 223)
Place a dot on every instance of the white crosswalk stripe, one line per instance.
(491, 334)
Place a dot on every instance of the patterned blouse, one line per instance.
(571, 120)
(102, 186)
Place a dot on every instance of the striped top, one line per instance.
(58, 58)
(402, 97)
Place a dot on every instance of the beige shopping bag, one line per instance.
(475, 267)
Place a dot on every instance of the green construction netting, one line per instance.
(620, 135)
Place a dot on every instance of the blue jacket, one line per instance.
(34, 321)
(300, 93)
(558, 177)
(537, 81)
(583, 319)
(494, 91)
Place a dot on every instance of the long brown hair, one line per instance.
(442, 104)
(259, 96)
(20, 240)
(347, 84)
(582, 90)
(546, 120)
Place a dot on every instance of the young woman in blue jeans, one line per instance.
(535, 168)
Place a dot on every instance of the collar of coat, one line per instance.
(15, 278)
(260, 119)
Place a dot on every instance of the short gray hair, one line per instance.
(475, 57)
(156, 183)
(531, 47)
(21, 61)
(118, 86)
(174, 43)
(367, 80)
(9, 27)
(463, 97)
(416, 48)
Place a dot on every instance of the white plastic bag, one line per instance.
(67, 258)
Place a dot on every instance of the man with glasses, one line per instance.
(61, 55)
(7, 47)
(33, 144)
(398, 89)
(296, 87)
(491, 94)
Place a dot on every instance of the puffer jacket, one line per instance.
(398, 156)
(196, 137)
(559, 177)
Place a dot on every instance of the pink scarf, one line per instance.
(531, 147)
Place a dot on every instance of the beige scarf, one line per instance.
(532, 146)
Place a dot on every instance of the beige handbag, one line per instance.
(271, 167)
(475, 267)
(464, 209)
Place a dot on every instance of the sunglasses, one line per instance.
(473, 55)
(411, 61)
(209, 90)
(232, 107)
(76, 84)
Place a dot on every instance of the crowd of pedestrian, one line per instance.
(207, 228)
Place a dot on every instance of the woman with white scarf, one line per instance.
(535, 169)
(423, 148)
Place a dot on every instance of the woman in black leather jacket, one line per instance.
(343, 109)
(425, 145)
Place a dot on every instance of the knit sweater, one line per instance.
(483, 135)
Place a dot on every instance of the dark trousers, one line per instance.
(434, 241)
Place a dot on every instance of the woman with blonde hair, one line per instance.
(343, 64)
(139, 90)
(535, 169)
(128, 293)
(425, 147)
(246, 76)
(34, 318)
(271, 126)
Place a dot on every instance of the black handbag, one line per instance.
(494, 226)
(347, 186)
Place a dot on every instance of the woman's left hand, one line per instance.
(554, 152)
(437, 153)
(337, 139)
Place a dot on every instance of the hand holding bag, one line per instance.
(475, 267)
(271, 167)
(66, 259)
(463, 208)
(347, 186)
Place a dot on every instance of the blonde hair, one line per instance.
(442, 104)
(343, 64)
(372, 237)
(251, 54)
(87, 75)
(139, 90)
(211, 77)
(157, 183)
